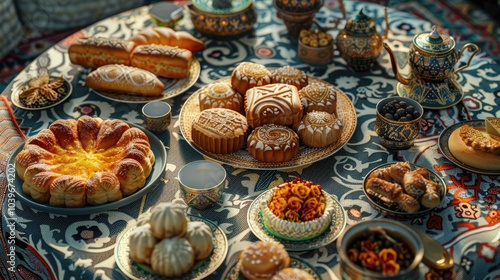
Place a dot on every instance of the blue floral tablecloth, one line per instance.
(53, 246)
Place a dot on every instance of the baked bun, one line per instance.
(219, 130)
(273, 143)
(475, 147)
(319, 97)
(142, 243)
(94, 52)
(292, 273)
(125, 79)
(200, 237)
(86, 161)
(172, 257)
(272, 104)
(319, 129)
(291, 76)
(167, 36)
(261, 260)
(248, 75)
(220, 95)
(164, 61)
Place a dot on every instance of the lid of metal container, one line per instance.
(360, 25)
(221, 6)
(434, 42)
(166, 12)
(435, 255)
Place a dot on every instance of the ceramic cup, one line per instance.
(397, 134)
(157, 115)
(365, 229)
(202, 183)
(315, 55)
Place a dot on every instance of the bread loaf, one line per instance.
(163, 61)
(98, 51)
(125, 79)
(167, 36)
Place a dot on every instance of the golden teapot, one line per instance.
(359, 43)
(432, 78)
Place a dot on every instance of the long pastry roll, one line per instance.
(125, 79)
(163, 61)
(392, 193)
(94, 52)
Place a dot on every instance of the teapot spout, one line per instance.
(402, 79)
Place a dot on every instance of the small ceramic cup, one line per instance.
(397, 134)
(395, 231)
(315, 55)
(202, 183)
(157, 115)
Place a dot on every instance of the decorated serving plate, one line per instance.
(393, 210)
(234, 270)
(63, 93)
(443, 146)
(201, 270)
(159, 166)
(173, 87)
(254, 219)
(346, 113)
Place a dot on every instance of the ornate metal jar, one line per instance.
(297, 14)
(432, 56)
(359, 43)
(222, 18)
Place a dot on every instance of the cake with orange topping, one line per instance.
(297, 210)
(86, 161)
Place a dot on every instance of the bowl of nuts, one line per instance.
(315, 46)
(397, 122)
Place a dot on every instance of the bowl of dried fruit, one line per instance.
(315, 46)
(398, 121)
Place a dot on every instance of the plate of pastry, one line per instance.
(234, 272)
(216, 114)
(403, 189)
(129, 262)
(55, 187)
(171, 87)
(270, 222)
(482, 160)
(41, 92)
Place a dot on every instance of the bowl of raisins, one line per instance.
(398, 121)
(380, 249)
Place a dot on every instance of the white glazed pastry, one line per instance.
(200, 237)
(142, 242)
(168, 220)
(172, 257)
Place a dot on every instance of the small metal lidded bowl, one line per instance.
(395, 132)
(165, 14)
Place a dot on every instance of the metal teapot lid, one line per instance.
(298, 6)
(221, 6)
(434, 42)
(360, 25)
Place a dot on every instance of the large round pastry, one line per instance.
(219, 130)
(220, 95)
(294, 273)
(273, 143)
(263, 259)
(319, 129)
(86, 161)
(248, 75)
(297, 210)
(291, 76)
(319, 97)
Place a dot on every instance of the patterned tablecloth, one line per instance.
(55, 246)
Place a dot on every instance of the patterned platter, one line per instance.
(242, 159)
(394, 211)
(159, 166)
(173, 87)
(234, 270)
(64, 92)
(443, 146)
(134, 270)
(255, 224)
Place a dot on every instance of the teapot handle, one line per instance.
(467, 46)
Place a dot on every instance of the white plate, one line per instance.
(159, 166)
(173, 87)
(64, 91)
(242, 159)
(443, 146)
(135, 271)
(256, 226)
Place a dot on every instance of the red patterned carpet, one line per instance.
(466, 21)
